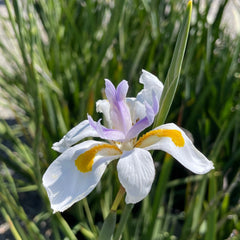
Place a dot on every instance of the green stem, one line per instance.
(110, 221)
(125, 214)
(118, 198)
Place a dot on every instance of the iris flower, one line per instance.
(79, 168)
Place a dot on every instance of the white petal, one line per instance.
(79, 132)
(182, 150)
(137, 105)
(136, 173)
(136, 108)
(103, 106)
(65, 184)
(151, 83)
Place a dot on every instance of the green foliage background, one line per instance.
(59, 53)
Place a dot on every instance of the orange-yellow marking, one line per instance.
(150, 137)
(84, 161)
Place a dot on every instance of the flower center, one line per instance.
(85, 161)
(126, 146)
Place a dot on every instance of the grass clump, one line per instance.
(57, 56)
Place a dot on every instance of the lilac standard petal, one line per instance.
(110, 90)
(121, 117)
(79, 132)
(119, 111)
(106, 133)
(137, 128)
(122, 90)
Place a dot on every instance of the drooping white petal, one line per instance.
(173, 140)
(151, 83)
(79, 132)
(136, 173)
(66, 184)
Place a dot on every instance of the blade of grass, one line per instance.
(65, 227)
(214, 203)
(194, 209)
(89, 216)
(212, 217)
(109, 34)
(13, 229)
(12, 206)
(108, 226)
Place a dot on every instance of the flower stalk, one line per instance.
(124, 217)
(118, 198)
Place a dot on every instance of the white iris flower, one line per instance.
(79, 168)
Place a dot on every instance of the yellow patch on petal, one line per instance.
(152, 136)
(84, 161)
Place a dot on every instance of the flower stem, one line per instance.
(118, 198)
(110, 221)
(124, 217)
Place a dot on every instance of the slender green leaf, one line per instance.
(171, 82)
(108, 226)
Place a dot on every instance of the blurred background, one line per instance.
(54, 56)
